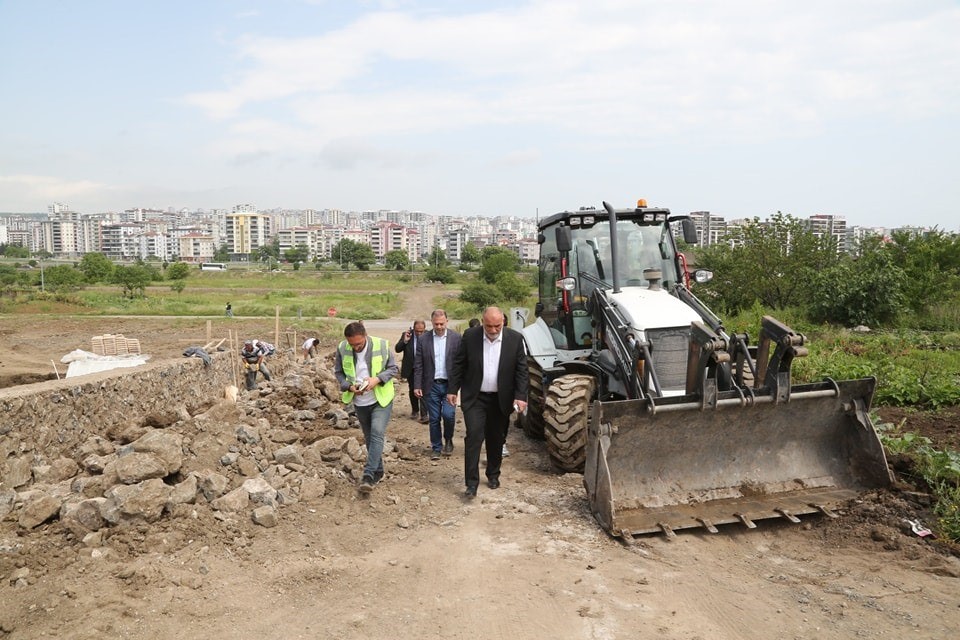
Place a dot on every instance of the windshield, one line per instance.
(640, 247)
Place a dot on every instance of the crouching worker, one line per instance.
(365, 370)
(252, 354)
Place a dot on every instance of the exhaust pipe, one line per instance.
(615, 271)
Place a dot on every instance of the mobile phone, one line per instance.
(363, 385)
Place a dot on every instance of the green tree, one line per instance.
(363, 256)
(469, 254)
(512, 288)
(178, 271)
(498, 262)
(12, 280)
(96, 267)
(396, 260)
(42, 254)
(931, 262)
(133, 280)
(869, 289)
(62, 278)
(14, 251)
(222, 254)
(178, 285)
(342, 253)
(769, 262)
(480, 294)
(436, 258)
(297, 255)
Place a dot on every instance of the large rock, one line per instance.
(17, 472)
(324, 450)
(260, 491)
(83, 517)
(184, 492)
(288, 454)
(212, 484)
(265, 516)
(167, 446)
(234, 501)
(38, 510)
(137, 467)
(130, 503)
(8, 498)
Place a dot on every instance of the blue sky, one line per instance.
(485, 108)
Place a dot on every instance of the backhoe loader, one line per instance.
(674, 422)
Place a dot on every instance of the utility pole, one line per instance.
(41, 276)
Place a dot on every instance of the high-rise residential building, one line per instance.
(710, 228)
(829, 226)
(246, 233)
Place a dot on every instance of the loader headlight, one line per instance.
(702, 276)
(567, 284)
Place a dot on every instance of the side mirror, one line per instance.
(564, 243)
(689, 231)
(541, 238)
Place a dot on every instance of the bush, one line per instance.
(480, 295)
(445, 275)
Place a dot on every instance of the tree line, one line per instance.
(906, 278)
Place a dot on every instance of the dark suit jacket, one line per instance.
(467, 372)
(423, 368)
(409, 354)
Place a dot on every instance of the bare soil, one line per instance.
(525, 561)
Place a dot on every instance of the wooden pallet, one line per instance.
(115, 345)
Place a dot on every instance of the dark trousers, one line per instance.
(417, 405)
(486, 422)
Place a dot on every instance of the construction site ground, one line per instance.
(415, 560)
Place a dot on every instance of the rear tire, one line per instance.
(532, 421)
(567, 415)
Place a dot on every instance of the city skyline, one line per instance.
(496, 108)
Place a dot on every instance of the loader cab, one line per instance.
(576, 259)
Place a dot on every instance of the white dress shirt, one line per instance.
(440, 356)
(491, 363)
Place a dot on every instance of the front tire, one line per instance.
(566, 417)
(532, 421)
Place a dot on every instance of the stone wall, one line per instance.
(52, 418)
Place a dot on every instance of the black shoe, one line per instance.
(448, 447)
(366, 485)
(471, 492)
(435, 455)
(494, 483)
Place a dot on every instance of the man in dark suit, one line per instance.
(490, 372)
(407, 345)
(431, 370)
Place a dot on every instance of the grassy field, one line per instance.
(310, 294)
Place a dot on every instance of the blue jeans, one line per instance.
(437, 408)
(373, 422)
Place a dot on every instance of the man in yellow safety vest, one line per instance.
(365, 369)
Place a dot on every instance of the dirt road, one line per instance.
(525, 561)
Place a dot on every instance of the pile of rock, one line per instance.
(272, 448)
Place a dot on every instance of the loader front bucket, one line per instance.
(667, 464)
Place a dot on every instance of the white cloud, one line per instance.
(31, 188)
(619, 69)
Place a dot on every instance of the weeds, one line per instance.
(939, 470)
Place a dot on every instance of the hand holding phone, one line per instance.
(362, 385)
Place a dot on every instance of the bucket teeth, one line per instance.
(789, 516)
(824, 510)
(709, 526)
(667, 530)
(747, 522)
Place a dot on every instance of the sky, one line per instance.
(740, 108)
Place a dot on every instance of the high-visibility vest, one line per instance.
(384, 392)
